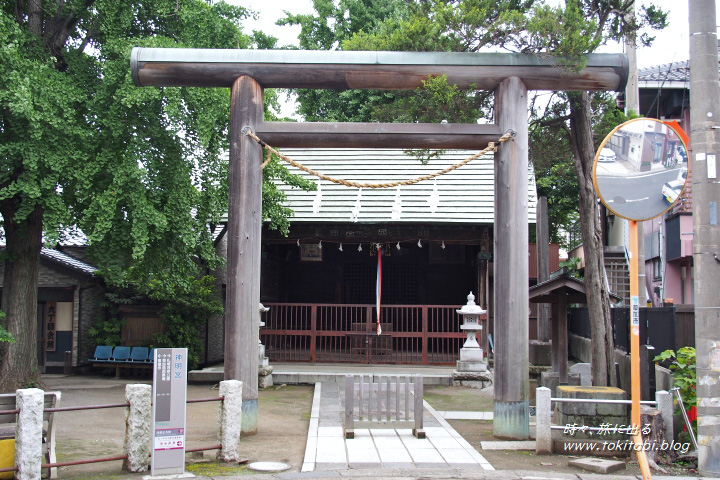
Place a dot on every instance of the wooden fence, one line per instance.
(411, 334)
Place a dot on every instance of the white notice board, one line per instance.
(168, 411)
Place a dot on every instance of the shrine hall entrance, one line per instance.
(323, 305)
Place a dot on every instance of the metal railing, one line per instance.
(111, 458)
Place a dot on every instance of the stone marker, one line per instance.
(597, 465)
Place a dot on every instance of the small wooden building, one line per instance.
(436, 241)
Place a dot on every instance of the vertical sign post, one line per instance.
(168, 411)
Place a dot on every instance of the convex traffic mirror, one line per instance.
(641, 169)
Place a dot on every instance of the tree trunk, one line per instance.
(598, 300)
(18, 361)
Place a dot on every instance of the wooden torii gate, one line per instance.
(509, 75)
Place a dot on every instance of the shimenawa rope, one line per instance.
(270, 150)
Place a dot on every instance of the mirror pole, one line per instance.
(635, 420)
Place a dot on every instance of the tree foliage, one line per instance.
(682, 365)
(563, 130)
(140, 171)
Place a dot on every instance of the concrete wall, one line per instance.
(580, 348)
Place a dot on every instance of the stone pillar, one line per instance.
(230, 420)
(665, 405)
(28, 433)
(543, 422)
(138, 420)
(511, 417)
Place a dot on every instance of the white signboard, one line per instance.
(168, 411)
(635, 314)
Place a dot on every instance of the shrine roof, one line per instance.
(465, 195)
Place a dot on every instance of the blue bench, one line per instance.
(122, 357)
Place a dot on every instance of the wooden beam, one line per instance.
(183, 67)
(542, 242)
(562, 339)
(242, 314)
(377, 135)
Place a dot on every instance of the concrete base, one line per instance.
(540, 353)
(265, 381)
(471, 366)
(470, 354)
(551, 380)
(472, 379)
(168, 477)
(249, 420)
(511, 420)
(597, 465)
(265, 378)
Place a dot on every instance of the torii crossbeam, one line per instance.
(509, 75)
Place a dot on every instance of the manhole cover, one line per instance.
(268, 466)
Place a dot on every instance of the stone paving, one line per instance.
(328, 450)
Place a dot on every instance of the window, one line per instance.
(657, 269)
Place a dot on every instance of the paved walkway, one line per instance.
(327, 449)
(310, 373)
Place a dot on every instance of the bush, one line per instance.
(682, 368)
(5, 336)
(184, 315)
(106, 332)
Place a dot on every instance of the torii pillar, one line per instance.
(243, 251)
(246, 72)
(511, 415)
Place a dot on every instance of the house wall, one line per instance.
(86, 299)
(90, 311)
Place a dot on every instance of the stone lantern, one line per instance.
(471, 370)
(264, 369)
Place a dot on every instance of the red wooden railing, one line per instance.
(411, 334)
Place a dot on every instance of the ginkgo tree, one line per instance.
(140, 171)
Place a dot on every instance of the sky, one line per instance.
(670, 45)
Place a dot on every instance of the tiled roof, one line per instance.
(465, 195)
(668, 72)
(668, 75)
(66, 260)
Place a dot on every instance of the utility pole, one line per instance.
(704, 147)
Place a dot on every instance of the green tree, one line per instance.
(5, 336)
(567, 33)
(332, 24)
(139, 170)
